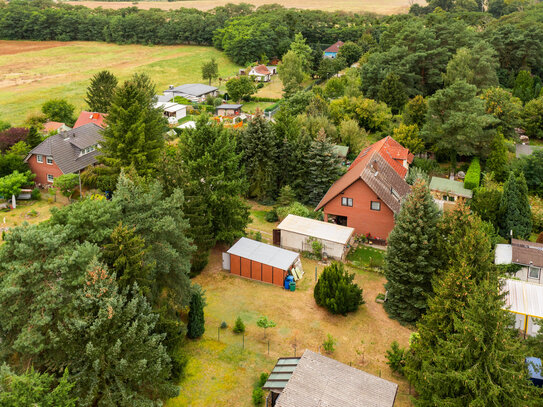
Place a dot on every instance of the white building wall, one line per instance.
(522, 274)
(300, 243)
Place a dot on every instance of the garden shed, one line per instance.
(260, 261)
(298, 232)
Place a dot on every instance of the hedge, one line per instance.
(259, 99)
(272, 107)
(473, 176)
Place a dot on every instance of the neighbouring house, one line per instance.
(260, 73)
(262, 262)
(447, 191)
(370, 193)
(64, 153)
(228, 110)
(172, 111)
(525, 149)
(272, 69)
(316, 380)
(90, 117)
(525, 301)
(163, 98)
(528, 256)
(298, 233)
(195, 92)
(332, 50)
(49, 127)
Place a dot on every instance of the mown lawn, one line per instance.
(364, 256)
(33, 74)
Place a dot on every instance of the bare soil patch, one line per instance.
(17, 47)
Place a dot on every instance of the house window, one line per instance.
(49, 160)
(534, 272)
(375, 206)
(39, 158)
(49, 178)
(346, 201)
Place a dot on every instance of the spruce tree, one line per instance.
(393, 93)
(515, 210)
(100, 91)
(259, 151)
(33, 138)
(411, 261)
(201, 232)
(196, 324)
(497, 160)
(323, 169)
(134, 135)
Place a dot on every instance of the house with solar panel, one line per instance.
(316, 380)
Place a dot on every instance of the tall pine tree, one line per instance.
(516, 215)
(410, 261)
(196, 324)
(393, 93)
(100, 91)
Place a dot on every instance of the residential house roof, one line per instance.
(170, 106)
(90, 117)
(334, 47)
(227, 106)
(163, 98)
(264, 253)
(48, 127)
(261, 70)
(378, 167)
(194, 89)
(316, 228)
(66, 147)
(519, 252)
(525, 149)
(321, 381)
(450, 186)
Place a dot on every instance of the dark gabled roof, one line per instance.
(227, 106)
(321, 381)
(527, 253)
(193, 89)
(65, 147)
(334, 47)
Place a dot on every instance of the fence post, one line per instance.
(243, 343)
(219, 333)
(268, 347)
(315, 273)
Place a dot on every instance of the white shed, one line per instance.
(297, 232)
(525, 300)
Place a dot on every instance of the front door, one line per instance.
(341, 220)
(277, 237)
(226, 261)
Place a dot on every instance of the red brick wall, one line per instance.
(360, 216)
(42, 169)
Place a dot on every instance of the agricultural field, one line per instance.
(372, 6)
(34, 72)
(223, 366)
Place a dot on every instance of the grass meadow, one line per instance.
(34, 72)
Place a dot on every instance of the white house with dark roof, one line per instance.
(195, 92)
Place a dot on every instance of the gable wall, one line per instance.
(42, 169)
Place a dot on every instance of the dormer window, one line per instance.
(394, 193)
(89, 149)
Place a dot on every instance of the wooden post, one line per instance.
(268, 347)
(315, 273)
(219, 333)
(525, 326)
(80, 191)
(243, 343)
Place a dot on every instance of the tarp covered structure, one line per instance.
(526, 300)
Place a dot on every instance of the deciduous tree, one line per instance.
(210, 70)
(240, 88)
(59, 110)
(291, 73)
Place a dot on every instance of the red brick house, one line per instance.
(369, 194)
(65, 153)
(90, 117)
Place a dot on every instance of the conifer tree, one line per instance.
(196, 324)
(410, 261)
(393, 93)
(323, 168)
(515, 210)
(497, 160)
(259, 151)
(201, 232)
(33, 138)
(135, 129)
(100, 91)
(415, 111)
(524, 86)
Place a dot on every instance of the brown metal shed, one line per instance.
(260, 261)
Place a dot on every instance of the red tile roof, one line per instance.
(48, 127)
(262, 70)
(90, 117)
(334, 47)
(386, 153)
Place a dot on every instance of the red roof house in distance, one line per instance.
(90, 117)
(368, 195)
(332, 50)
(49, 127)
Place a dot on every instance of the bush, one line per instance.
(416, 173)
(536, 206)
(272, 107)
(239, 326)
(179, 363)
(258, 396)
(259, 86)
(396, 357)
(258, 236)
(329, 345)
(36, 194)
(259, 99)
(224, 325)
(271, 216)
(295, 208)
(540, 238)
(473, 176)
(316, 246)
(182, 101)
(336, 290)
(426, 165)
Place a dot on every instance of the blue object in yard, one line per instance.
(534, 370)
(288, 280)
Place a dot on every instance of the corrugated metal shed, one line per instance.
(316, 228)
(264, 253)
(321, 381)
(523, 298)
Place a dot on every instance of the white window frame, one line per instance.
(50, 178)
(378, 204)
(47, 158)
(536, 269)
(346, 201)
(39, 158)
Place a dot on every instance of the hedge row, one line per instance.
(473, 176)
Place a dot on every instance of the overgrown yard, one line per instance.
(34, 72)
(222, 373)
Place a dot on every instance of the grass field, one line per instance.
(222, 371)
(372, 6)
(34, 72)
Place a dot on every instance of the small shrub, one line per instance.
(239, 326)
(380, 296)
(271, 216)
(540, 238)
(416, 173)
(258, 397)
(258, 236)
(179, 363)
(224, 325)
(36, 194)
(263, 379)
(260, 86)
(32, 213)
(265, 323)
(375, 262)
(286, 196)
(396, 357)
(329, 345)
(316, 246)
(295, 208)
(473, 176)
(336, 290)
